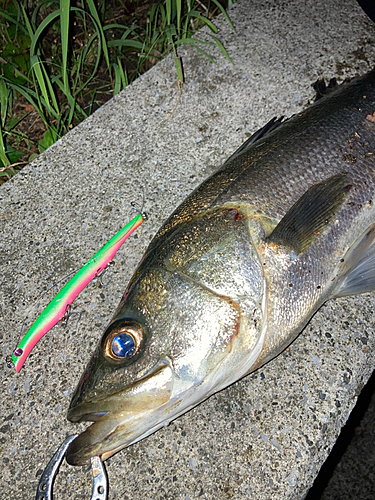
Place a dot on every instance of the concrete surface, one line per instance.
(349, 471)
(267, 435)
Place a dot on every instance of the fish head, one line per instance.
(182, 332)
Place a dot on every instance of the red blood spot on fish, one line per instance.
(234, 214)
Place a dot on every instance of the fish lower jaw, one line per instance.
(107, 436)
(117, 430)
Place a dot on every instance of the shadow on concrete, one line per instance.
(349, 471)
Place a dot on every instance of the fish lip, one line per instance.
(79, 414)
(93, 410)
(82, 412)
(148, 393)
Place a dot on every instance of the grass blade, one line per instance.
(179, 69)
(3, 157)
(27, 94)
(121, 77)
(194, 42)
(123, 74)
(27, 22)
(179, 10)
(36, 67)
(64, 33)
(82, 55)
(81, 60)
(103, 40)
(117, 79)
(3, 103)
(197, 15)
(71, 100)
(171, 35)
(223, 11)
(168, 7)
(42, 26)
(50, 89)
(126, 43)
(222, 48)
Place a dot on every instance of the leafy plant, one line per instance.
(58, 56)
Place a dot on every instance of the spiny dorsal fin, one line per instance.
(259, 134)
(311, 214)
(322, 89)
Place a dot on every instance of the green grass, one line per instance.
(57, 57)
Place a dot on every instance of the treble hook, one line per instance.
(101, 273)
(68, 314)
(100, 484)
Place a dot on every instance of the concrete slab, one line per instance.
(349, 471)
(267, 435)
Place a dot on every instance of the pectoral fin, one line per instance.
(311, 214)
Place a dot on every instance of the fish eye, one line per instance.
(123, 342)
(123, 345)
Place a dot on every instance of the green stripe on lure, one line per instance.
(59, 306)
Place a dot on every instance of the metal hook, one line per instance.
(100, 484)
(68, 315)
(101, 273)
(9, 362)
(65, 318)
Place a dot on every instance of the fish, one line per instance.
(237, 271)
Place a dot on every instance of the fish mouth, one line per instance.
(122, 418)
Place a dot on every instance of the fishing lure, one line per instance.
(60, 304)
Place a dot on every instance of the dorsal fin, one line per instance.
(322, 89)
(259, 134)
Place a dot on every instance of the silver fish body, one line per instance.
(237, 271)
